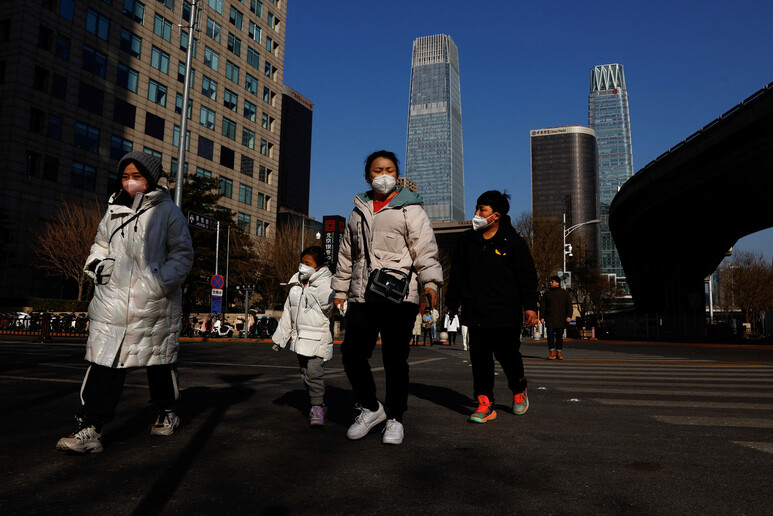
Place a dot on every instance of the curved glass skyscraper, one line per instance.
(608, 117)
(434, 157)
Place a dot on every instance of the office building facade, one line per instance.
(295, 157)
(83, 83)
(608, 116)
(564, 181)
(434, 157)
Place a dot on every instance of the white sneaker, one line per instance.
(393, 432)
(165, 424)
(84, 440)
(365, 421)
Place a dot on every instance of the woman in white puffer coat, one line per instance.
(305, 326)
(141, 255)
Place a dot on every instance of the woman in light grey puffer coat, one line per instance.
(141, 255)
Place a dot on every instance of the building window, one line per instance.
(40, 79)
(254, 32)
(66, 8)
(252, 58)
(152, 152)
(217, 5)
(124, 113)
(245, 194)
(213, 29)
(94, 61)
(173, 168)
(256, 6)
(202, 172)
(207, 118)
(209, 88)
(234, 44)
(86, 137)
(45, 37)
(120, 146)
(250, 111)
(229, 128)
(162, 27)
(131, 43)
(178, 105)
(54, 129)
(159, 60)
(261, 201)
(184, 42)
(36, 120)
(58, 86)
(267, 70)
(157, 92)
(83, 177)
(154, 126)
(230, 100)
(33, 163)
(227, 157)
(62, 47)
(248, 138)
(181, 74)
(90, 98)
(211, 58)
(264, 175)
(127, 77)
(251, 84)
(243, 221)
(248, 166)
(236, 18)
(97, 24)
(270, 19)
(263, 147)
(134, 10)
(176, 138)
(168, 3)
(226, 187)
(267, 95)
(269, 44)
(50, 168)
(261, 228)
(232, 72)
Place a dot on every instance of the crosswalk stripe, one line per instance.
(633, 382)
(679, 403)
(763, 447)
(716, 421)
(717, 393)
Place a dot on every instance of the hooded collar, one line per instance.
(315, 278)
(118, 201)
(403, 198)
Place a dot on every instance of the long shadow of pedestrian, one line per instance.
(339, 403)
(194, 401)
(443, 396)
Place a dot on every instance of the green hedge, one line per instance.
(57, 305)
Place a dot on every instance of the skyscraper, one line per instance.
(608, 116)
(85, 82)
(434, 157)
(564, 181)
(295, 157)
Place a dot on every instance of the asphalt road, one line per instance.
(616, 428)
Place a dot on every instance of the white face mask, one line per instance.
(384, 183)
(479, 222)
(305, 272)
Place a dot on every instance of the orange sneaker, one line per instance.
(552, 355)
(485, 411)
(559, 356)
(520, 403)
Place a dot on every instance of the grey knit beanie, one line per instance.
(148, 165)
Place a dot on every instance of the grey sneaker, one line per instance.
(317, 415)
(365, 421)
(85, 440)
(393, 432)
(166, 423)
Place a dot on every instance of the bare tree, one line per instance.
(751, 285)
(545, 239)
(62, 246)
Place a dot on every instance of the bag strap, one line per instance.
(367, 252)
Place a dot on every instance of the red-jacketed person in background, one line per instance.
(141, 255)
(494, 281)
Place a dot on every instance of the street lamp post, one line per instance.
(569, 230)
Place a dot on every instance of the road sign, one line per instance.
(217, 281)
(199, 221)
(245, 287)
(217, 303)
(217, 292)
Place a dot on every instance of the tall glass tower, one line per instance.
(608, 117)
(434, 157)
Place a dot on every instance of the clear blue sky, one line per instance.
(523, 65)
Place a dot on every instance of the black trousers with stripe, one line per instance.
(102, 388)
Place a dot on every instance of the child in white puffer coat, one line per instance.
(305, 326)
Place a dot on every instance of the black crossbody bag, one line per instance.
(385, 284)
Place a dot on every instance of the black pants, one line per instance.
(452, 337)
(555, 338)
(504, 344)
(102, 388)
(364, 321)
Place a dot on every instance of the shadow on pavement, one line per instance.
(443, 396)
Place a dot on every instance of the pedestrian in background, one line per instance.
(305, 326)
(556, 311)
(416, 330)
(494, 280)
(388, 230)
(451, 325)
(141, 255)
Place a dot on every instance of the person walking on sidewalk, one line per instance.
(141, 255)
(305, 325)
(556, 312)
(451, 325)
(388, 232)
(494, 281)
